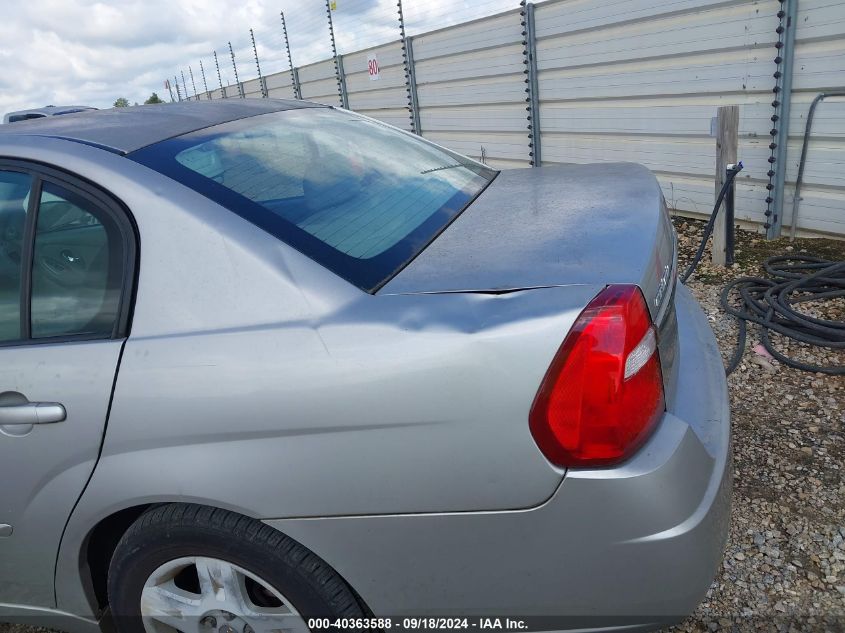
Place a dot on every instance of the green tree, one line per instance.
(154, 98)
(121, 102)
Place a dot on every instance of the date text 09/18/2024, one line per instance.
(420, 623)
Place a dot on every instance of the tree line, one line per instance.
(123, 102)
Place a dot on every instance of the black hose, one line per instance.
(711, 222)
(770, 303)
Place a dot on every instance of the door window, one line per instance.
(77, 266)
(14, 196)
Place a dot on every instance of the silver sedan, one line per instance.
(268, 365)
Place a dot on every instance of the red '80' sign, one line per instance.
(372, 68)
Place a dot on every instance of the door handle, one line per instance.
(32, 413)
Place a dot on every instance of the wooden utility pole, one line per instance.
(727, 133)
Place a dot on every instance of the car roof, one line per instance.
(124, 130)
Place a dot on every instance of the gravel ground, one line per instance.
(784, 569)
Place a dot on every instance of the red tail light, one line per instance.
(603, 393)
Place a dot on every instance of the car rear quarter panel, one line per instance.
(384, 405)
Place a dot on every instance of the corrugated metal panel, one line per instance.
(317, 71)
(386, 98)
(252, 89)
(740, 25)
(479, 118)
(581, 15)
(471, 89)
(280, 85)
(487, 33)
(640, 81)
(318, 82)
(637, 80)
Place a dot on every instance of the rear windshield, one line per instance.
(359, 197)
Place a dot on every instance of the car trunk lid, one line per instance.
(555, 226)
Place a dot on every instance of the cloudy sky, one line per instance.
(64, 52)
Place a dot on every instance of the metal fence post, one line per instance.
(337, 65)
(344, 95)
(407, 61)
(219, 76)
(193, 83)
(532, 98)
(296, 82)
(413, 95)
(261, 85)
(782, 102)
(241, 93)
(204, 82)
(294, 76)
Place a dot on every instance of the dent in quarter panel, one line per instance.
(389, 404)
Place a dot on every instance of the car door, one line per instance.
(66, 263)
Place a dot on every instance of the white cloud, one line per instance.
(87, 52)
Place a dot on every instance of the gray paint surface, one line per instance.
(588, 224)
(46, 467)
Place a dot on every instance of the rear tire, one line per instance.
(188, 551)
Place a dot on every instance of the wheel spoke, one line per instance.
(172, 606)
(225, 591)
(222, 585)
(206, 567)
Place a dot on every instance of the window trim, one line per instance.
(104, 201)
(27, 255)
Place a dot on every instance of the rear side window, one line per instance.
(77, 267)
(359, 197)
(67, 258)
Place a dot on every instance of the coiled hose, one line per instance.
(769, 302)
